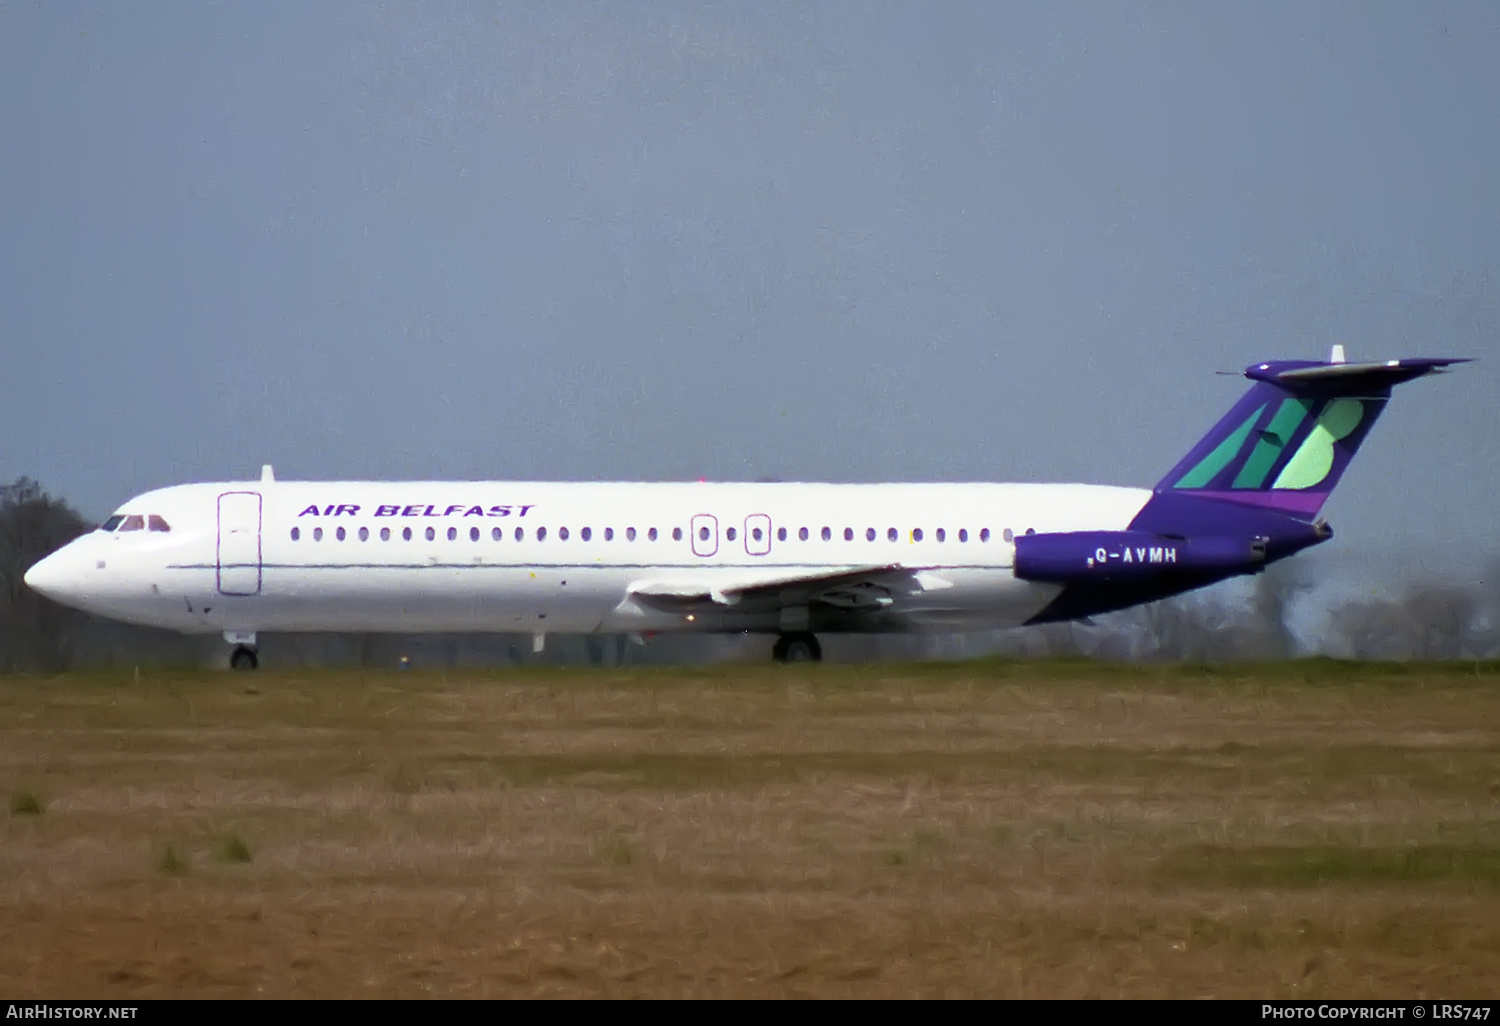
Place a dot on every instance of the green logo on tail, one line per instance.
(1314, 460)
(1308, 466)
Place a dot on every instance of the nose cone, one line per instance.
(54, 577)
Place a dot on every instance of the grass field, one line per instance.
(981, 829)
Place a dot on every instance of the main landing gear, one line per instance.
(797, 648)
(243, 657)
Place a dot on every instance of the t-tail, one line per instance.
(1246, 495)
(1289, 439)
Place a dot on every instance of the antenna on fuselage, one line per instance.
(267, 475)
(1337, 356)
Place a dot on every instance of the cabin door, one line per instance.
(239, 543)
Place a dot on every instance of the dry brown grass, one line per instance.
(989, 829)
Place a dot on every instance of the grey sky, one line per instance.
(818, 241)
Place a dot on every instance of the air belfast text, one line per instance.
(350, 509)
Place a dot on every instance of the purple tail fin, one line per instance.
(1288, 440)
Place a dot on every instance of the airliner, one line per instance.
(789, 560)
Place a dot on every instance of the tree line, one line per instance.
(1424, 620)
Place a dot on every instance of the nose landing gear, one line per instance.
(797, 648)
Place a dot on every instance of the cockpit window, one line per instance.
(156, 523)
(112, 523)
(134, 522)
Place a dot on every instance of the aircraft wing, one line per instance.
(855, 588)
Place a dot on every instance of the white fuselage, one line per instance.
(542, 557)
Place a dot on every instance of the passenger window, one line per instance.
(586, 533)
(729, 534)
(562, 534)
(112, 523)
(406, 534)
(296, 533)
(431, 534)
(364, 534)
(677, 534)
(651, 534)
(134, 523)
(340, 534)
(781, 534)
(827, 534)
(452, 534)
(802, 534)
(916, 534)
(941, 534)
(385, 534)
(1008, 534)
(891, 534)
(317, 534)
(541, 534)
(963, 534)
(848, 534)
(473, 534)
(755, 534)
(156, 523)
(496, 534)
(869, 534)
(703, 534)
(630, 534)
(520, 534)
(984, 535)
(609, 534)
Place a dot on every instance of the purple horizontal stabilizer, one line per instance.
(1348, 378)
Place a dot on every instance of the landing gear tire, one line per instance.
(243, 658)
(797, 648)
